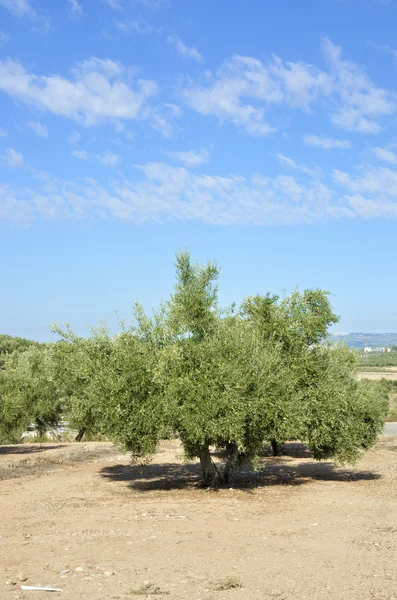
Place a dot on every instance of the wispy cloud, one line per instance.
(190, 158)
(327, 143)
(74, 138)
(12, 158)
(13, 209)
(99, 90)
(38, 128)
(4, 37)
(80, 154)
(163, 118)
(183, 50)
(152, 3)
(361, 104)
(19, 8)
(385, 155)
(75, 7)
(115, 4)
(287, 162)
(166, 193)
(3, 132)
(108, 159)
(386, 49)
(244, 89)
(137, 25)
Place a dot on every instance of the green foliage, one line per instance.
(10, 344)
(343, 415)
(28, 394)
(107, 383)
(385, 391)
(192, 309)
(379, 359)
(230, 379)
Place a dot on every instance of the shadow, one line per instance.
(274, 472)
(27, 449)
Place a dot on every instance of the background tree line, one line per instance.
(229, 379)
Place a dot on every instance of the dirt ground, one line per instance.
(375, 375)
(80, 518)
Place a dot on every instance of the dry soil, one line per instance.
(80, 518)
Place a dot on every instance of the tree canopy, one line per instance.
(230, 379)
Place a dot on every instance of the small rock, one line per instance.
(79, 569)
(108, 573)
(21, 577)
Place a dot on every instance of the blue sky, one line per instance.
(260, 134)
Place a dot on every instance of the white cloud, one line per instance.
(80, 154)
(183, 50)
(74, 138)
(244, 87)
(380, 182)
(108, 159)
(385, 155)
(151, 3)
(368, 208)
(360, 102)
(162, 192)
(115, 4)
(190, 158)
(38, 128)
(325, 142)
(288, 162)
(75, 7)
(137, 25)
(19, 8)
(386, 49)
(12, 158)
(99, 90)
(4, 37)
(162, 118)
(16, 211)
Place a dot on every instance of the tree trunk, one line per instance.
(41, 427)
(208, 471)
(80, 434)
(276, 447)
(231, 462)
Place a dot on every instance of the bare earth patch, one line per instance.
(80, 518)
(376, 375)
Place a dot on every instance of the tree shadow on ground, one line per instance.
(28, 449)
(274, 471)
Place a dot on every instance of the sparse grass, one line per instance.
(148, 589)
(371, 369)
(229, 583)
(36, 465)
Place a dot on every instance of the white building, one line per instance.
(369, 349)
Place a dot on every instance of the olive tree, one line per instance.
(28, 394)
(226, 379)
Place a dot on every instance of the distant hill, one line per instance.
(9, 343)
(360, 340)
